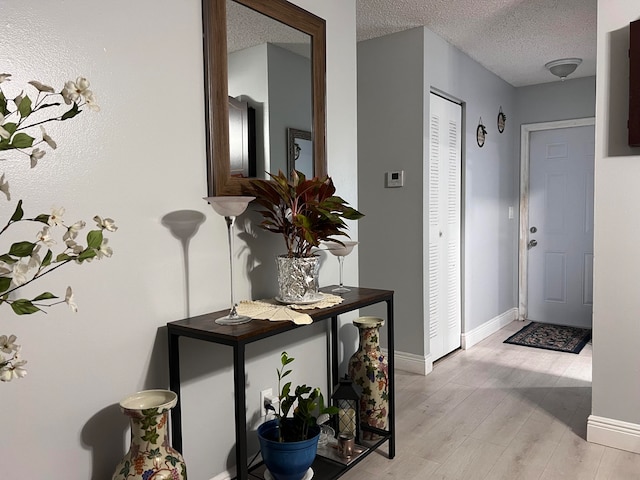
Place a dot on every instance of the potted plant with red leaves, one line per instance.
(305, 212)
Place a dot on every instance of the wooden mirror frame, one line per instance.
(214, 15)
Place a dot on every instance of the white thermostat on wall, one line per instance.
(394, 179)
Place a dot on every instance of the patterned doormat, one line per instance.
(551, 337)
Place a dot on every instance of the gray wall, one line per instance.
(289, 100)
(490, 237)
(558, 100)
(395, 75)
(277, 83)
(248, 81)
(390, 126)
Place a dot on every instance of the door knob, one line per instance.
(533, 243)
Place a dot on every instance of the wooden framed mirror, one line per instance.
(216, 23)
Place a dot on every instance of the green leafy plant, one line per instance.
(304, 211)
(307, 403)
(22, 132)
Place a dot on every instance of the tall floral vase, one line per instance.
(369, 369)
(150, 456)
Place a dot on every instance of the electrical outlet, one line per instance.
(264, 395)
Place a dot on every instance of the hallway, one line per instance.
(498, 411)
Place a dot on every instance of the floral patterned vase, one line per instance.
(150, 456)
(368, 368)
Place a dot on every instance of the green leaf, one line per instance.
(24, 307)
(22, 249)
(10, 127)
(153, 453)
(6, 258)
(44, 296)
(151, 436)
(71, 113)
(25, 107)
(125, 469)
(18, 214)
(5, 282)
(47, 259)
(21, 140)
(172, 460)
(62, 257)
(42, 218)
(86, 254)
(94, 239)
(3, 104)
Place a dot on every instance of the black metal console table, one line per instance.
(204, 328)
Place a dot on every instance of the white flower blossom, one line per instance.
(104, 250)
(56, 216)
(48, 139)
(41, 86)
(74, 247)
(19, 273)
(89, 97)
(4, 77)
(106, 224)
(72, 231)
(18, 99)
(13, 370)
(34, 259)
(44, 236)
(8, 344)
(5, 268)
(74, 90)
(3, 133)
(36, 155)
(4, 187)
(68, 298)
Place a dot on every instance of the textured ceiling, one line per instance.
(247, 28)
(511, 38)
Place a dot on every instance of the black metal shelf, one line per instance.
(204, 328)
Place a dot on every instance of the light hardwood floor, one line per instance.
(498, 411)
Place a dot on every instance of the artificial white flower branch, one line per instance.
(27, 261)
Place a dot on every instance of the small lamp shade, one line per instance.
(347, 400)
(229, 206)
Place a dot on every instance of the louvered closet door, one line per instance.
(444, 226)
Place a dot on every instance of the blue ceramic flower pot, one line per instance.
(286, 460)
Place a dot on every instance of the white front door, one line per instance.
(560, 229)
(444, 169)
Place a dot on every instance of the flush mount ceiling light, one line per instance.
(563, 67)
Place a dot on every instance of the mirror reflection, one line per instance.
(270, 92)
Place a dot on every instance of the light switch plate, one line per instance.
(394, 179)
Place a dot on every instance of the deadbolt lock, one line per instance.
(533, 229)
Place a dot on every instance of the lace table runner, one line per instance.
(274, 311)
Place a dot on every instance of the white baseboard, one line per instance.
(226, 475)
(614, 433)
(412, 363)
(469, 339)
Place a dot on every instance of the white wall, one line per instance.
(396, 74)
(616, 329)
(140, 158)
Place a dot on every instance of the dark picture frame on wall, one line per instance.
(634, 84)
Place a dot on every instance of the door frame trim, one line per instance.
(523, 240)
